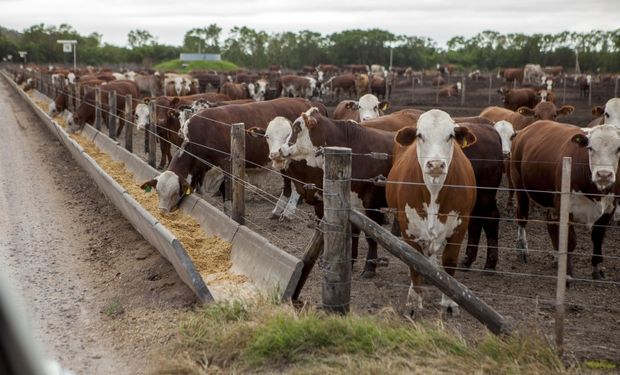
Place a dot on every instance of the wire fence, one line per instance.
(156, 130)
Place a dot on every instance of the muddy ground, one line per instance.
(523, 293)
(99, 298)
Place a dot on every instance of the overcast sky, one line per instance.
(440, 20)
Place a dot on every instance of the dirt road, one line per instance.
(100, 299)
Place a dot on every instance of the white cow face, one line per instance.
(142, 115)
(298, 145)
(277, 133)
(612, 112)
(260, 89)
(179, 85)
(320, 75)
(370, 107)
(603, 144)
(506, 133)
(171, 188)
(51, 109)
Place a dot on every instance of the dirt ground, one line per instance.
(100, 299)
(525, 300)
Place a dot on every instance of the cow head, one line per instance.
(546, 111)
(52, 110)
(179, 85)
(369, 107)
(259, 89)
(603, 145)
(142, 115)
(300, 143)
(506, 134)
(276, 134)
(436, 134)
(170, 187)
(611, 112)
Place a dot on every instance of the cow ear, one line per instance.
(310, 121)
(565, 110)
(464, 137)
(351, 105)
(175, 100)
(256, 131)
(406, 136)
(597, 111)
(580, 139)
(384, 105)
(148, 185)
(146, 100)
(514, 135)
(172, 113)
(525, 111)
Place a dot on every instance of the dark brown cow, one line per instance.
(432, 187)
(235, 90)
(339, 84)
(208, 138)
(361, 84)
(584, 83)
(511, 74)
(438, 81)
(86, 111)
(377, 86)
(538, 151)
(516, 98)
(446, 68)
(207, 79)
(450, 90)
(313, 130)
(295, 86)
(356, 68)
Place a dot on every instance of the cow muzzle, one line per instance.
(604, 178)
(506, 155)
(435, 168)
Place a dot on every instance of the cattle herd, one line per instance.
(441, 174)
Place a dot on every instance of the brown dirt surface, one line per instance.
(100, 299)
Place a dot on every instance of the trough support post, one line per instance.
(98, 108)
(311, 254)
(336, 289)
(458, 292)
(150, 139)
(237, 169)
(463, 92)
(112, 111)
(128, 123)
(562, 255)
(412, 88)
(490, 87)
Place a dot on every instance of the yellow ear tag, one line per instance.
(188, 191)
(464, 143)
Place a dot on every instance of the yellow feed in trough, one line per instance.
(210, 254)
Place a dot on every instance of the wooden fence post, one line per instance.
(336, 295)
(70, 95)
(463, 92)
(128, 123)
(490, 86)
(311, 254)
(98, 108)
(77, 98)
(150, 140)
(237, 170)
(591, 86)
(564, 89)
(112, 111)
(562, 254)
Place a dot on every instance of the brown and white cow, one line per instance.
(338, 84)
(312, 131)
(525, 116)
(450, 90)
(207, 144)
(608, 115)
(366, 108)
(150, 85)
(433, 188)
(511, 74)
(515, 98)
(297, 87)
(538, 151)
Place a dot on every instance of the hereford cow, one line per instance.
(524, 116)
(378, 86)
(339, 84)
(312, 130)
(609, 115)
(584, 83)
(438, 81)
(450, 90)
(446, 69)
(511, 74)
(553, 71)
(150, 85)
(432, 220)
(515, 98)
(207, 80)
(207, 144)
(297, 87)
(366, 108)
(361, 84)
(538, 151)
(86, 111)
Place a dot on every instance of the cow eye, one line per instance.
(606, 115)
(589, 148)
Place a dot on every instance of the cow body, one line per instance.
(366, 108)
(511, 74)
(516, 98)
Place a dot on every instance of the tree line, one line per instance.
(598, 49)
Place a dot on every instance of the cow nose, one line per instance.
(435, 167)
(275, 154)
(507, 155)
(604, 175)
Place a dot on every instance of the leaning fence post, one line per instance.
(237, 169)
(562, 254)
(98, 108)
(336, 289)
(112, 111)
(490, 87)
(463, 92)
(150, 139)
(128, 123)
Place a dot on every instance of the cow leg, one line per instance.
(523, 208)
(553, 229)
(284, 197)
(165, 153)
(370, 268)
(491, 231)
(291, 206)
(474, 230)
(414, 296)
(598, 235)
(120, 124)
(449, 261)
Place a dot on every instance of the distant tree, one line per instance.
(140, 38)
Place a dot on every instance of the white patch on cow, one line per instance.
(51, 109)
(588, 211)
(448, 304)
(291, 206)
(603, 150)
(142, 115)
(459, 87)
(179, 85)
(212, 181)
(543, 95)
(506, 131)
(429, 232)
(168, 189)
(522, 244)
(414, 300)
(277, 133)
(310, 89)
(260, 89)
(71, 78)
(612, 112)
(70, 120)
(119, 76)
(368, 107)
(280, 206)
(588, 79)
(303, 149)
